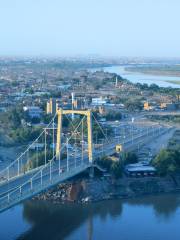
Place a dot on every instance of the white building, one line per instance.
(33, 112)
(98, 101)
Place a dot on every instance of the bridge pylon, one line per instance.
(88, 114)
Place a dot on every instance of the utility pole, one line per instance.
(116, 82)
(67, 151)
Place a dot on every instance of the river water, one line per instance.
(145, 218)
(140, 77)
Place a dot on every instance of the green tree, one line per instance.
(117, 169)
(134, 104)
(111, 116)
(128, 158)
(114, 167)
(165, 163)
(105, 162)
(14, 117)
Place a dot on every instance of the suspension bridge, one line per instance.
(56, 155)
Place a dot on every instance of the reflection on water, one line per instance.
(93, 221)
(50, 221)
(164, 206)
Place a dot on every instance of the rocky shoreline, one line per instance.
(97, 189)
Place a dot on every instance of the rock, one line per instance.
(85, 200)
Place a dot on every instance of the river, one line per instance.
(141, 77)
(144, 218)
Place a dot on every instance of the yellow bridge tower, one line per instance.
(88, 114)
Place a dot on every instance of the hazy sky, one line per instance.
(105, 27)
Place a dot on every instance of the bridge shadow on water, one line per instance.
(58, 221)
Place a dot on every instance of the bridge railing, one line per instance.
(46, 177)
(19, 165)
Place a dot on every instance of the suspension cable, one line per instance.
(28, 148)
(101, 128)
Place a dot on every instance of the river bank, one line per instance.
(139, 77)
(169, 70)
(99, 188)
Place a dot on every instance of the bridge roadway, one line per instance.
(27, 185)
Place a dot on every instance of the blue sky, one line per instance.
(104, 27)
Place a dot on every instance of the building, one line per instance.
(37, 146)
(75, 104)
(163, 105)
(51, 106)
(98, 101)
(33, 112)
(169, 106)
(147, 107)
(102, 110)
(139, 170)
